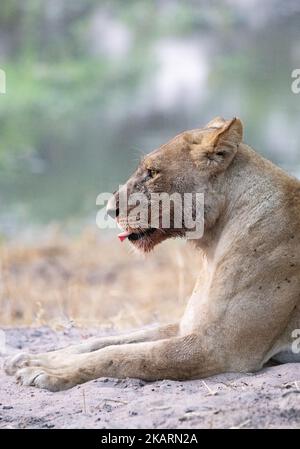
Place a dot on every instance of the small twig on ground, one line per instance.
(290, 392)
(163, 407)
(290, 385)
(241, 425)
(190, 415)
(211, 392)
(84, 402)
(118, 401)
(198, 414)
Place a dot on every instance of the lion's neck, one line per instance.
(250, 182)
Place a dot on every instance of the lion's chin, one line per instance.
(147, 240)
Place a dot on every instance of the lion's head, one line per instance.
(192, 162)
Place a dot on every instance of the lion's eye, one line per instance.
(152, 172)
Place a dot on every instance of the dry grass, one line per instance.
(88, 281)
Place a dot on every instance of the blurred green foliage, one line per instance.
(74, 114)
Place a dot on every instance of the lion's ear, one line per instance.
(217, 122)
(219, 145)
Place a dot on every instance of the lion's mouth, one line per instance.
(141, 234)
(135, 236)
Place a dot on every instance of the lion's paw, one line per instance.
(13, 363)
(41, 378)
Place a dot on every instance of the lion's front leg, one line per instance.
(175, 358)
(62, 357)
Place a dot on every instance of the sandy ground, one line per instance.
(268, 399)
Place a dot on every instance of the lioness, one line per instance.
(246, 303)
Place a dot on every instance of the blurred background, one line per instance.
(90, 84)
